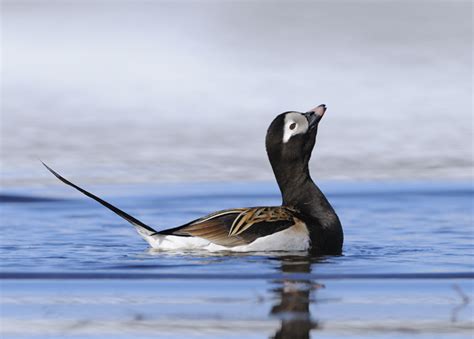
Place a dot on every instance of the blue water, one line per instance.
(72, 268)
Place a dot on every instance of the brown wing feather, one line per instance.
(238, 226)
(216, 230)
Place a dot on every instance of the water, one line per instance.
(140, 96)
(71, 268)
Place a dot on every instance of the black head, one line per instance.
(292, 135)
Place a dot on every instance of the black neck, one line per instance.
(298, 190)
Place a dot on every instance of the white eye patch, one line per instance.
(295, 123)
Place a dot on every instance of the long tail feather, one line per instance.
(143, 229)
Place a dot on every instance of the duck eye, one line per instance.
(293, 126)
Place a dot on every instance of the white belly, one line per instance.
(295, 238)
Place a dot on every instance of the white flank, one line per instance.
(295, 238)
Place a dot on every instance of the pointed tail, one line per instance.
(144, 230)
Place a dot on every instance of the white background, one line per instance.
(153, 91)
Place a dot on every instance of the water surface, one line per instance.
(72, 268)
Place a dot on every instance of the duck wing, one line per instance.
(241, 226)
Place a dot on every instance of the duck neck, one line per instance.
(299, 191)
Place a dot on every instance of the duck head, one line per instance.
(291, 138)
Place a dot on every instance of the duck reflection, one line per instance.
(294, 298)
